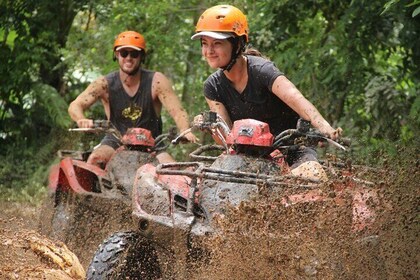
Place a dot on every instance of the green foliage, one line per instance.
(31, 77)
(385, 105)
(33, 193)
(388, 5)
(23, 175)
(339, 52)
(50, 102)
(357, 61)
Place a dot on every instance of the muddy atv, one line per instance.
(86, 203)
(175, 205)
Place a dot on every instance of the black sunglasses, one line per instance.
(133, 54)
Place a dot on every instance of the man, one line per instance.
(131, 97)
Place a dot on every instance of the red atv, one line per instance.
(174, 204)
(86, 203)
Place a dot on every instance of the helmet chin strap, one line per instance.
(231, 63)
(236, 51)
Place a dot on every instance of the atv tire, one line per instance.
(125, 255)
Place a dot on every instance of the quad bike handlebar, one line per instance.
(105, 126)
(303, 134)
(210, 122)
(160, 144)
(98, 126)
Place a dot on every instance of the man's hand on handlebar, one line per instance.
(85, 123)
(95, 126)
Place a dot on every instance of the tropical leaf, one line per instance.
(50, 102)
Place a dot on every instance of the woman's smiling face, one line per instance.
(216, 51)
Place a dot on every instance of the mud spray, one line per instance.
(263, 240)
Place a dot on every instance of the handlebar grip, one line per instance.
(101, 124)
(181, 139)
(210, 117)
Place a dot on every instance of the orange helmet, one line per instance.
(130, 39)
(220, 22)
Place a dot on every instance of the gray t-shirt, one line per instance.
(257, 101)
(135, 111)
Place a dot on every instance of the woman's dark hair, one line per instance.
(254, 52)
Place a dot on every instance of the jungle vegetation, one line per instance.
(358, 61)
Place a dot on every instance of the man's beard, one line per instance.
(132, 72)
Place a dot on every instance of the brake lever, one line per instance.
(180, 136)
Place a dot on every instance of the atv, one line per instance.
(175, 205)
(85, 203)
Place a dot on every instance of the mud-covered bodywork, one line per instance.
(195, 193)
(187, 195)
(174, 205)
(215, 195)
(86, 203)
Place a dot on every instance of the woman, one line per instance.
(247, 85)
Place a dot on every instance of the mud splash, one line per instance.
(87, 220)
(262, 240)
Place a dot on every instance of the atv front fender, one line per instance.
(75, 175)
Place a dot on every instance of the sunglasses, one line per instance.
(133, 54)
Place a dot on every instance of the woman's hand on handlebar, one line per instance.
(198, 121)
(333, 134)
(190, 137)
(336, 134)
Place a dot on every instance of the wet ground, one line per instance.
(265, 241)
(20, 255)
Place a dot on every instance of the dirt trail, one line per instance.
(25, 254)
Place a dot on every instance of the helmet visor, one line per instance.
(212, 34)
(128, 46)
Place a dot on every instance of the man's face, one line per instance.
(129, 60)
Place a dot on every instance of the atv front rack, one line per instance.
(197, 154)
(198, 170)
